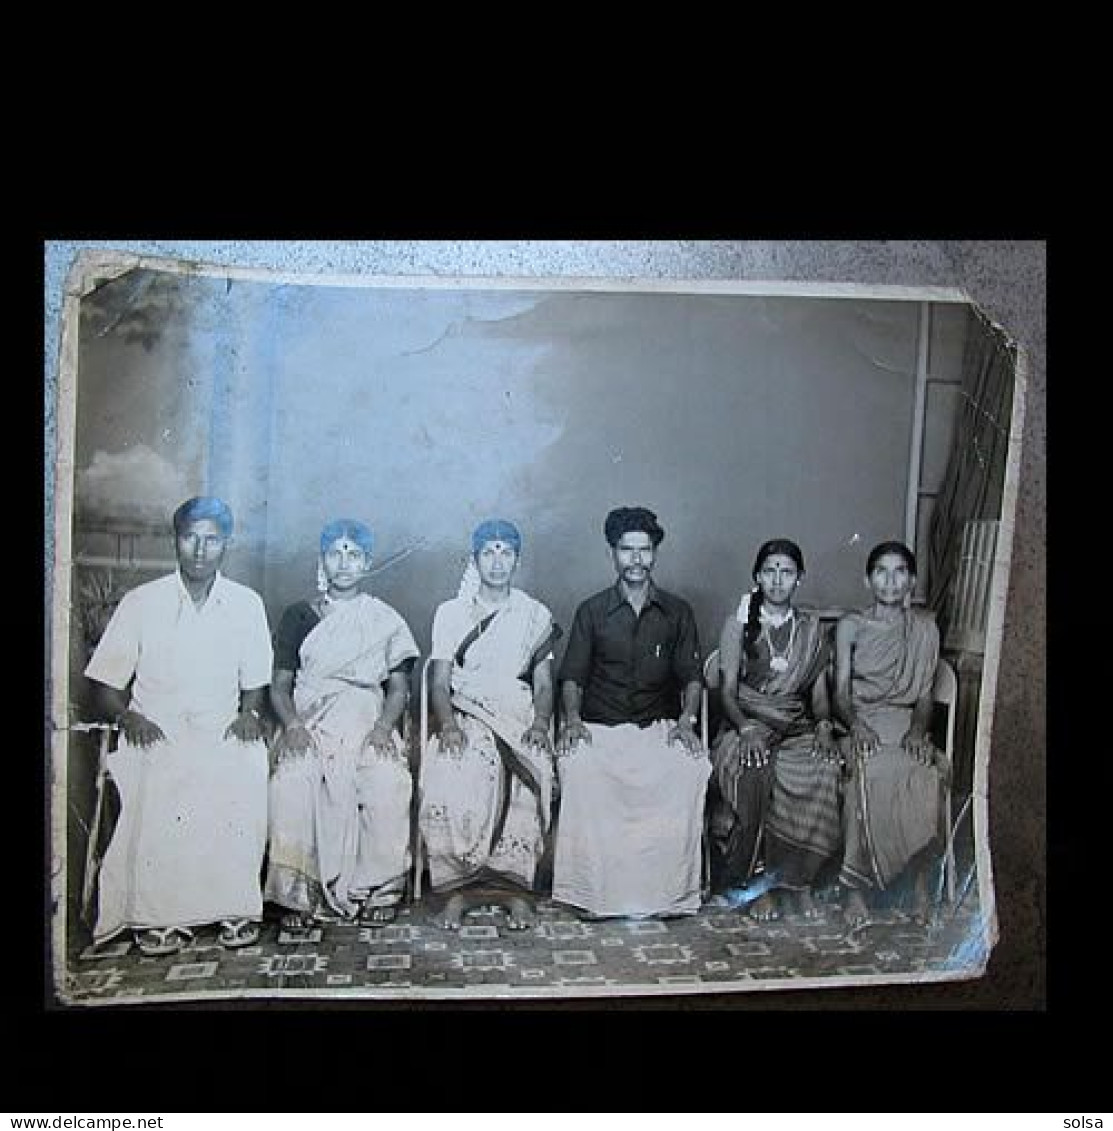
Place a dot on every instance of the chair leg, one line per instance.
(705, 855)
(89, 876)
(419, 864)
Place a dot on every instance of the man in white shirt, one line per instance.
(183, 668)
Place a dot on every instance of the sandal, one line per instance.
(237, 932)
(157, 941)
(378, 916)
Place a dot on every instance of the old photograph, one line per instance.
(460, 638)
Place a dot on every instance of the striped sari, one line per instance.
(791, 805)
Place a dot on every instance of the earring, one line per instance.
(322, 580)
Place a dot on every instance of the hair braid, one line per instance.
(753, 619)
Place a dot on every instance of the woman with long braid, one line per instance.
(775, 761)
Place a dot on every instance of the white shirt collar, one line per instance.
(216, 593)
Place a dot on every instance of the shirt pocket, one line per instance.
(655, 653)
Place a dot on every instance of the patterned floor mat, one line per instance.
(718, 950)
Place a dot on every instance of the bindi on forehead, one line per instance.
(346, 546)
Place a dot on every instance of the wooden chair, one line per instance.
(712, 677)
(418, 844)
(945, 693)
(100, 785)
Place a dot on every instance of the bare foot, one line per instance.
(520, 914)
(452, 916)
(765, 908)
(855, 910)
(806, 905)
(378, 916)
(922, 909)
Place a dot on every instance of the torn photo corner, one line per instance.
(839, 418)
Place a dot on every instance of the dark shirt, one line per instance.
(632, 667)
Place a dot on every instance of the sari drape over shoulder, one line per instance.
(340, 815)
(485, 814)
(893, 808)
(786, 813)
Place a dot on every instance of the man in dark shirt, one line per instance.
(632, 770)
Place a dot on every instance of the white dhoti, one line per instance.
(188, 847)
(631, 823)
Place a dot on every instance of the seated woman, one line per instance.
(487, 776)
(885, 666)
(775, 761)
(341, 786)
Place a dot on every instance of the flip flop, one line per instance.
(155, 941)
(235, 933)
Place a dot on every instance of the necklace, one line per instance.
(327, 602)
(778, 660)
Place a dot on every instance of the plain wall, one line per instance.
(422, 412)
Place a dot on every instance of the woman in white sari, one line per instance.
(487, 777)
(341, 787)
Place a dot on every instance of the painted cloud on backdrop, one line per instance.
(134, 484)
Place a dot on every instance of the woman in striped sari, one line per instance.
(776, 765)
